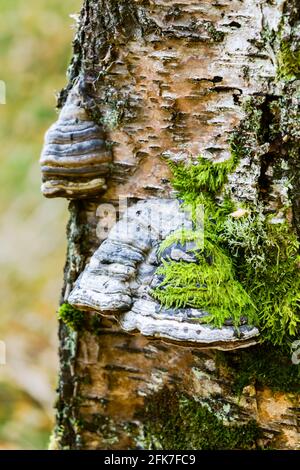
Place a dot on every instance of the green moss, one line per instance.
(174, 421)
(264, 366)
(210, 284)
(72, 317)
(78, 320)
(246, 266)
(267, 259)
(182, 236)
(202, 176)
(247, 235)
(288, 61)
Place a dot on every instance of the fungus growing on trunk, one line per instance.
(121, 277)
(74, 160)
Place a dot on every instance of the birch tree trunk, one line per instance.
(170, 80)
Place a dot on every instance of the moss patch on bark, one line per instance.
(175, 421)
(262, 366)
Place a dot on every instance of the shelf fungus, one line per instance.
(74, 160)
(123, 272)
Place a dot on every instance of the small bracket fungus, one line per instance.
(120, 278)
(74, 160)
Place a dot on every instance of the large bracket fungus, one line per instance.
(121, 275)
(74, 160)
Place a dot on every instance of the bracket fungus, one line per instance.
(121, 275)
(74, 160)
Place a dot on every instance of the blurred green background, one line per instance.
(35, 49)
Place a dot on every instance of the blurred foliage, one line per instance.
(35, 49)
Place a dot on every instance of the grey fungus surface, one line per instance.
(75, 160)
(118, 279)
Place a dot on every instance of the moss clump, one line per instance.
(247, 235)
(210, 284)
(200, 177)
(288, 61)
(247, 266)
(72, 317)
(182, 236)
(174, 421)
(268, 261)
(264, 366)
(78, 320)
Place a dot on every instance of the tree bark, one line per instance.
(170, 79)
